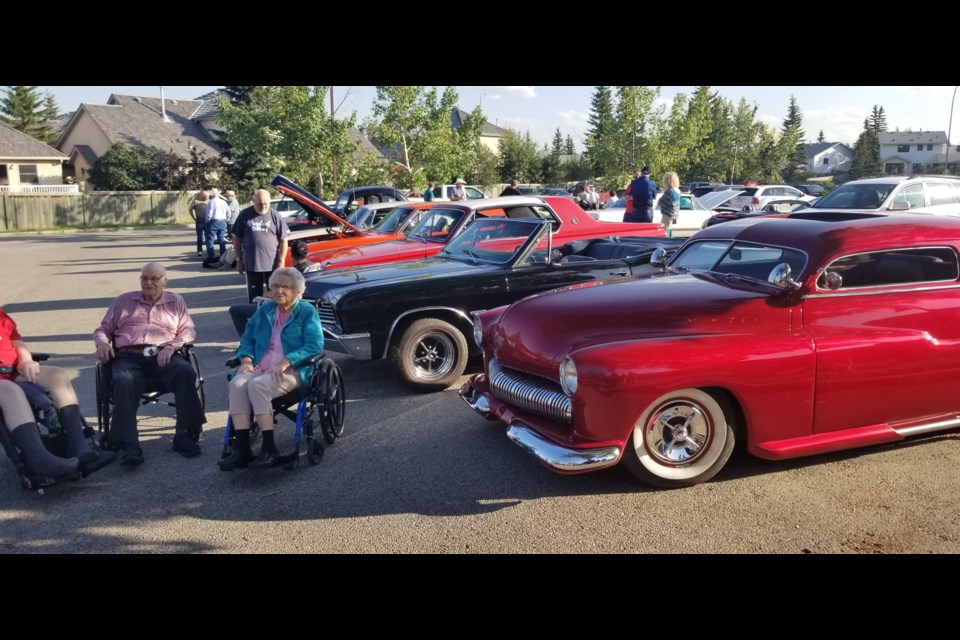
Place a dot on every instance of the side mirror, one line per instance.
(780, 276)
(899, 206)
(832, 280)
(658, 258)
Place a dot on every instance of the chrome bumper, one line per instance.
(555, 456)
(356, 345)
(562, 458)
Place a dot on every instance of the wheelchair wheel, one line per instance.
(333, 400)
(103, 400)
(196, 369)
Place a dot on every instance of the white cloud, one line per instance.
(572, 117)
(526, 92)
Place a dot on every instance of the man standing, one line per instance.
(262, 246)
(511, 190)
(458, 193)
(234, 209)
(141, 334)
(217, 213)
(428, 193)
(642, 192)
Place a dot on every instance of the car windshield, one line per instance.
(855, 196)
(494, 240)
(392, 222)
(437, 225)
(738, 258)
(362, 218)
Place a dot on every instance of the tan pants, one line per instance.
(252, 392)
(13, 403)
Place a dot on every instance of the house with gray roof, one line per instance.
(910, 152)
(826, 158)
(26, 162)
(490, 136)
(170, 125)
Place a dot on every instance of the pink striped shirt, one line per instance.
(274, 354)
(133, 320)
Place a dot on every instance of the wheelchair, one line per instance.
(317, 411)
(53, 439)
(153, 394)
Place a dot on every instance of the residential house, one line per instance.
(490, 136)
(169, 125)
(827, 158)
(27, 164)
(910, 152)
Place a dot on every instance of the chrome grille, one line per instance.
(530, 393)
(328, 318)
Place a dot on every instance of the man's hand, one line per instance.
(163, 357)
(241, 268)
(29, 370)
(104, 353)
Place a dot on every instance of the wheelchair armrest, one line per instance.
(6, 370)
(314, 359)
(233, 363)
(40, 357)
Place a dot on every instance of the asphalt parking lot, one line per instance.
(412, 473)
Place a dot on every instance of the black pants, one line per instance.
(240, 313)
(642, 215)
(257, 283)
(133, 374)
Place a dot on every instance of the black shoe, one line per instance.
(103, 459)
(266, 459)
(185, 445)
(132, 456)
(235, 460)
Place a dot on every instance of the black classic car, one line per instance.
(418, 313)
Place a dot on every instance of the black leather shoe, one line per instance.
(103, 459)
(265, 460)
(185, 445)
(132, 457)
(236, 460)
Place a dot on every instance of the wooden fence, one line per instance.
(21, 212)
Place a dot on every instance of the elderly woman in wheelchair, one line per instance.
(43, 454)
(278, 353)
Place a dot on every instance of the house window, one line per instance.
(929, 147)
(28, 174)
(919, 147)
(893, 168)
(903, 148)
(917, 167)
(826, 161)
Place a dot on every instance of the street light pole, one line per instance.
(946, 158)
(334, 159)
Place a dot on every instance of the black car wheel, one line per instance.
(431, 355)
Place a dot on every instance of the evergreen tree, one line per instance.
(28, 112)
(569, 148)
(820, 138)
(601, 142)
(238, 95)
(878, 121)
(866, 155)
(519, 158)
(637, 120)
(796, 160)
(557, 149)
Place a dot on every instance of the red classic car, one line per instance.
(801, 335)
(446, 220)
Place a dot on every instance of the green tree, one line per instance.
(601, 142)
(27, 111)
(795, 163)
(238, 95)
(557, 149)
(866, 154)
(636, 119)
(519, 158)
(484, 170)
(569, 148)
(821, 138)
(126, 168)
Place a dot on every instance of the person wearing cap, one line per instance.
(642, 193)
(512, 190)
(458, 193)
(140, 336)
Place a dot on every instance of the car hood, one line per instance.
(310, 202)
(534, 334)
(319, 284)
(714, 199)
(393, 251)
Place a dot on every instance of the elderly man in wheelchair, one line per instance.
(142, 343)
(41, 427)
(280, 362)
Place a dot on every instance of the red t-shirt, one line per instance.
(8, 333)
(629, 202)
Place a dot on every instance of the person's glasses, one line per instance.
(285, 287)
(153, 279)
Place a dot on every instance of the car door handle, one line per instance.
(619, 273)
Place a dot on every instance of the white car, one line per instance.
(755, 198)
(917, 194)
(693, 214)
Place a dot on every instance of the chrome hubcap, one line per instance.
(433, 356)
(677, 433)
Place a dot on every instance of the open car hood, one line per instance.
(311, 202)
(714, 199)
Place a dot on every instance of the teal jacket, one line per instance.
(301, 336)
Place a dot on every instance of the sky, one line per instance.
(838, 111)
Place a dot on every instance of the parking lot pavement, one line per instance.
(412, 473)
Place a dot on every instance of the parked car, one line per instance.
(917, 194)
(771, 209)
(692, 214)
(417, 313)
(529, 191)
(446, 220)
(370, 215)
(815, 190)
(756, 197)
(555, 191)
(337, 232)
(796, 336)
(441, 193)
(350, 199)
(288, 208)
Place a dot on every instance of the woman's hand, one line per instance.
(29, 370)
(277, 373)
(245, 367)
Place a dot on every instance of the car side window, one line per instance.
(912, 195)
(474, 194)
(883, 268)
(940, 193)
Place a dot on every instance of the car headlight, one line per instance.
(568, 376)
(477, 330)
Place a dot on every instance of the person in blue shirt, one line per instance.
(643, 192)
(428, 193)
